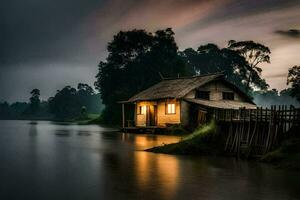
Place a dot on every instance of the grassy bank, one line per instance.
(90, 118)
(203, 141)
(287, 156)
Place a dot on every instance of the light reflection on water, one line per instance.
(58, 161)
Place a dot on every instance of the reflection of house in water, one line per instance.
(153, 170)
(185, 101)
(142, 142)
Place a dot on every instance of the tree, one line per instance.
(5, 111)
(255, 54)
(210, 58)
(136, 60)
(64, 104)
(69, 103)
(293, 80)
(34, 101)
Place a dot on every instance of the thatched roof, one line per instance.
(225, 104)
(174, 88)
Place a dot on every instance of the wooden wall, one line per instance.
(162, 117)
(185, 113)
(216, 88)
(141, 118)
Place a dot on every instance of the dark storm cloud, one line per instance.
(31, 29)
(292, 33)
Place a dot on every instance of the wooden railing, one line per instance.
(256, 131)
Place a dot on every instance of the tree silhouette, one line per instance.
(68, 103)
(136, 60)
(210, 58)
(255, 54)
(293, 79)
(34, 101)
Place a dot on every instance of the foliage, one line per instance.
(5, 111)
(294, 80)
(202, 131)
(203, 141)
(234, 61)
(255, 54)
(88, 118)
(69, 102)
(34, 101)
(136, 60)
(23, 110)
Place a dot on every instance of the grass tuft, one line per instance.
(203, 141)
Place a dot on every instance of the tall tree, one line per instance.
(34, 101)
(294, 80)
(210, 58)
(255, 54)
(136, 60)
(69, 103)
(64, 105)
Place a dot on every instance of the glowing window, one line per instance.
(142, 110)
(171, 108)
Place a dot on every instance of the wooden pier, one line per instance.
(254, 132)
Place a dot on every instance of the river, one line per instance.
(60, 161)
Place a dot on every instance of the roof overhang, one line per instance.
(225, 104)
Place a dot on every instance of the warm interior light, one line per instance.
(142, 110)
(171, 108)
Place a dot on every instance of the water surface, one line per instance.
(58, 161)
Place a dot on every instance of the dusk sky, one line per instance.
(48, 44)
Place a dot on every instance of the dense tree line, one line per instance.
(294, 81)
(68, 103)
(138, 59)
(71, 102)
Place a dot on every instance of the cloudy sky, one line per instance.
(48, 44)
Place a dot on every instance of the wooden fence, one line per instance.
(254, 132)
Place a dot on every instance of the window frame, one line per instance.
(140, 110)
(203, 91)
(166, 108)
(225, 96)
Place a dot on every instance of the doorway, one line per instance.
(151, 115)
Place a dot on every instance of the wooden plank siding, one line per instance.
(162, 117)
(216, 89)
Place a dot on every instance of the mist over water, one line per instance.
(268, 101)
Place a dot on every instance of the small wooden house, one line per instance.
(184, 100)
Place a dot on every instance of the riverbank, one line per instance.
(90, 118)
(203, 141)
(207, 141)
(287, 156)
